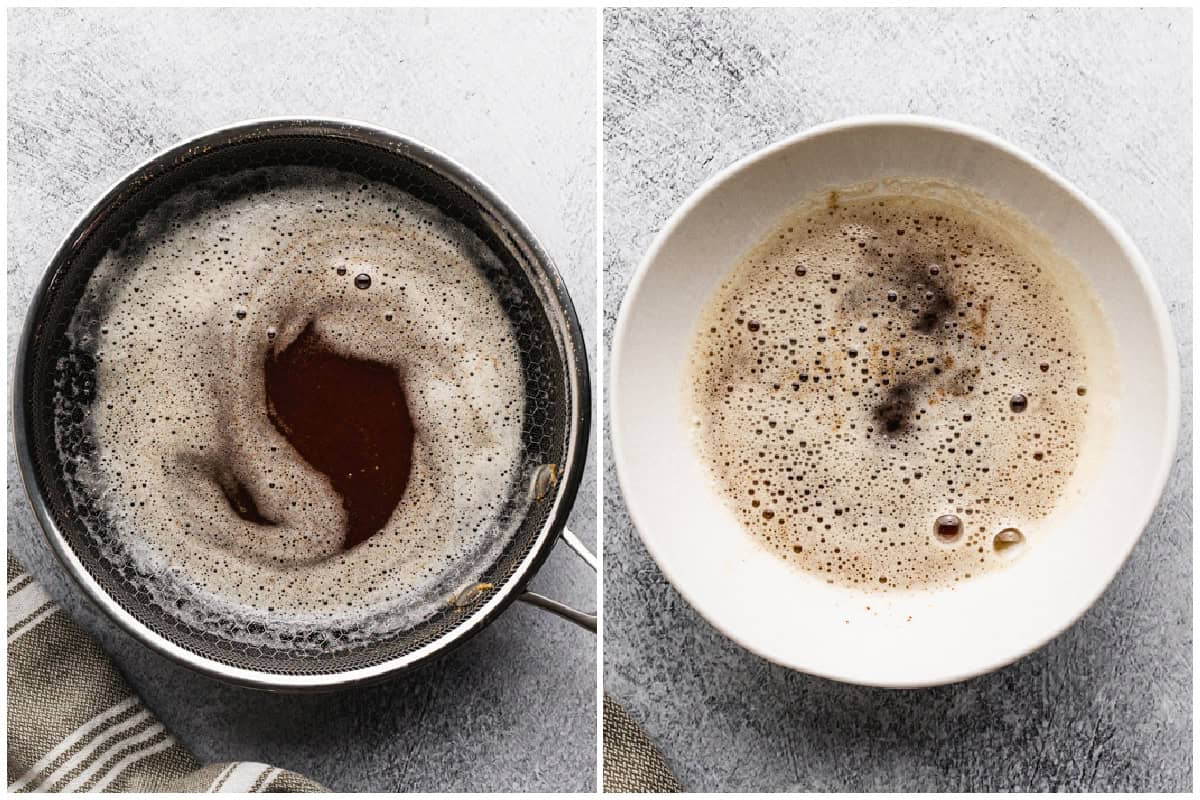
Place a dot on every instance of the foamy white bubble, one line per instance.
(853, 380)
(181, 321)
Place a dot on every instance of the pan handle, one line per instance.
(583, 620)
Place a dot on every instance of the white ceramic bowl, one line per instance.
(913, 638)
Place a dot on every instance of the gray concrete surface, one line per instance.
(509, 94)
(1105, 99)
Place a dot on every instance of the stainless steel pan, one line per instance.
(53, 385)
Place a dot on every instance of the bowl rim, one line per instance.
(575, 364)
(622, 456)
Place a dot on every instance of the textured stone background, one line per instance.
(509, 94)
(1104, 99)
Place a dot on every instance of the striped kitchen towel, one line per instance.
(74, 725)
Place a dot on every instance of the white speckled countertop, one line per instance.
(1104, 98)
(509, 94)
